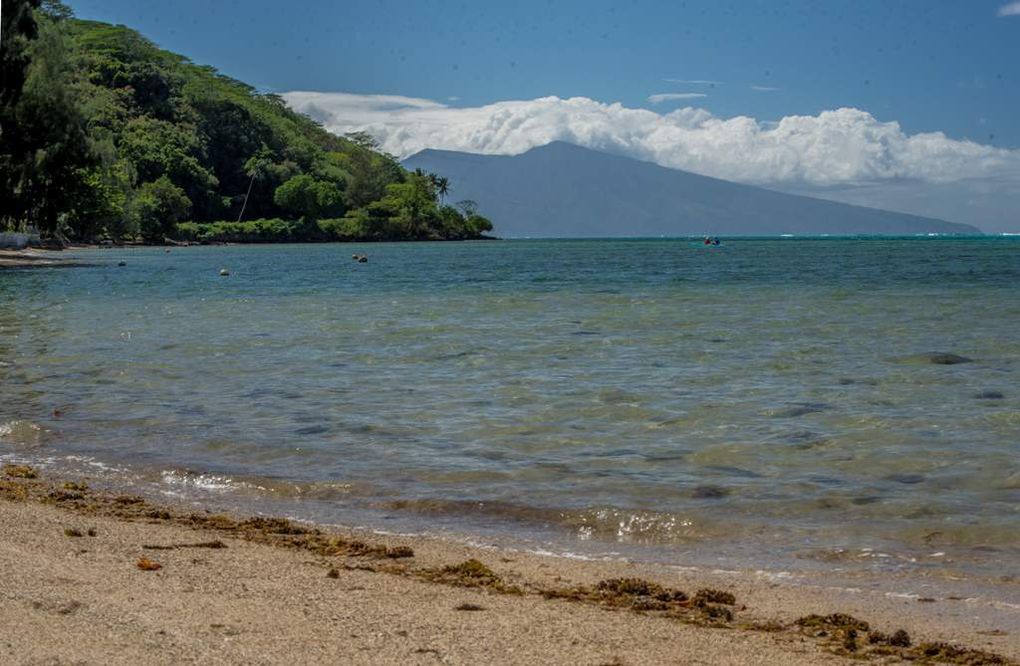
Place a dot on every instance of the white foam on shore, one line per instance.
(92, 462)
(208, 482)
(21, 433)
(775, 575)
(568, 555)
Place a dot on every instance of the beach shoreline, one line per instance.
(273, 586)
(34, 258)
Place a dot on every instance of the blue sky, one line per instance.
(931, 66)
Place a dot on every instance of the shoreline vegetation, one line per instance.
(170, 582)
(106, 137)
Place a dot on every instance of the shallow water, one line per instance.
(766, 398)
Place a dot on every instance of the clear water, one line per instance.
(651, 396)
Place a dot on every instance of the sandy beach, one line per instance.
(32, 258)
(123, 580)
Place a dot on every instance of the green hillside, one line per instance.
(105, 135)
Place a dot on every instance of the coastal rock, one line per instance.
(798, 436)
(989, 395)
(943, 358)
(908, 479)
(797, 410)
(709, 492)
(932, 358)
(736, 471)
(850, 381)
(313, 430)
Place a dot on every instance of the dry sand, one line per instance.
(271, 597)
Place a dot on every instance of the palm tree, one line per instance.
(442, 187)
(440, 183)
(256, 172)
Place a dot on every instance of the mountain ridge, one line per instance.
(562, 189)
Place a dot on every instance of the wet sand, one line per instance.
(232, 589)
(32, 258)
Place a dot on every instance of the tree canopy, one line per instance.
(105, 135)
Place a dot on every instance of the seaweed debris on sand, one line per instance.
(347, 559)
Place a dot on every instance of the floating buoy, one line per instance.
(224, 272)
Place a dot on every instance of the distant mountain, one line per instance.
(563, 190)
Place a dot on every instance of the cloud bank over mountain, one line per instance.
(841, 148)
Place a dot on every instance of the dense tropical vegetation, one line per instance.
(105, 136)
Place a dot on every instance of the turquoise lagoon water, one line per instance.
(767, 398)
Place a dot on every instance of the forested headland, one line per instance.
(105, 136)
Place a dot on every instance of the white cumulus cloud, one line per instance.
(839, 147)
(1011, 9)
(669, 97)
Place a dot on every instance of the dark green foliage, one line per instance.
(43, 144)
(158, 207)
(253, 231)
(106, 135)
(309, 198)
(19, 29)
(106, 204)
(52, 140)
(161, 148)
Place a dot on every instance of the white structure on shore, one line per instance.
(18, 241)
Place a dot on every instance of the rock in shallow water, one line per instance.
(945, 358)
(850, 381)
(934, 358)
(709, 492)
(905, 478)
(735, 471)
(799, 409)
(989, 395)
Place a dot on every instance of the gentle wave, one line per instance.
(23, 434)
